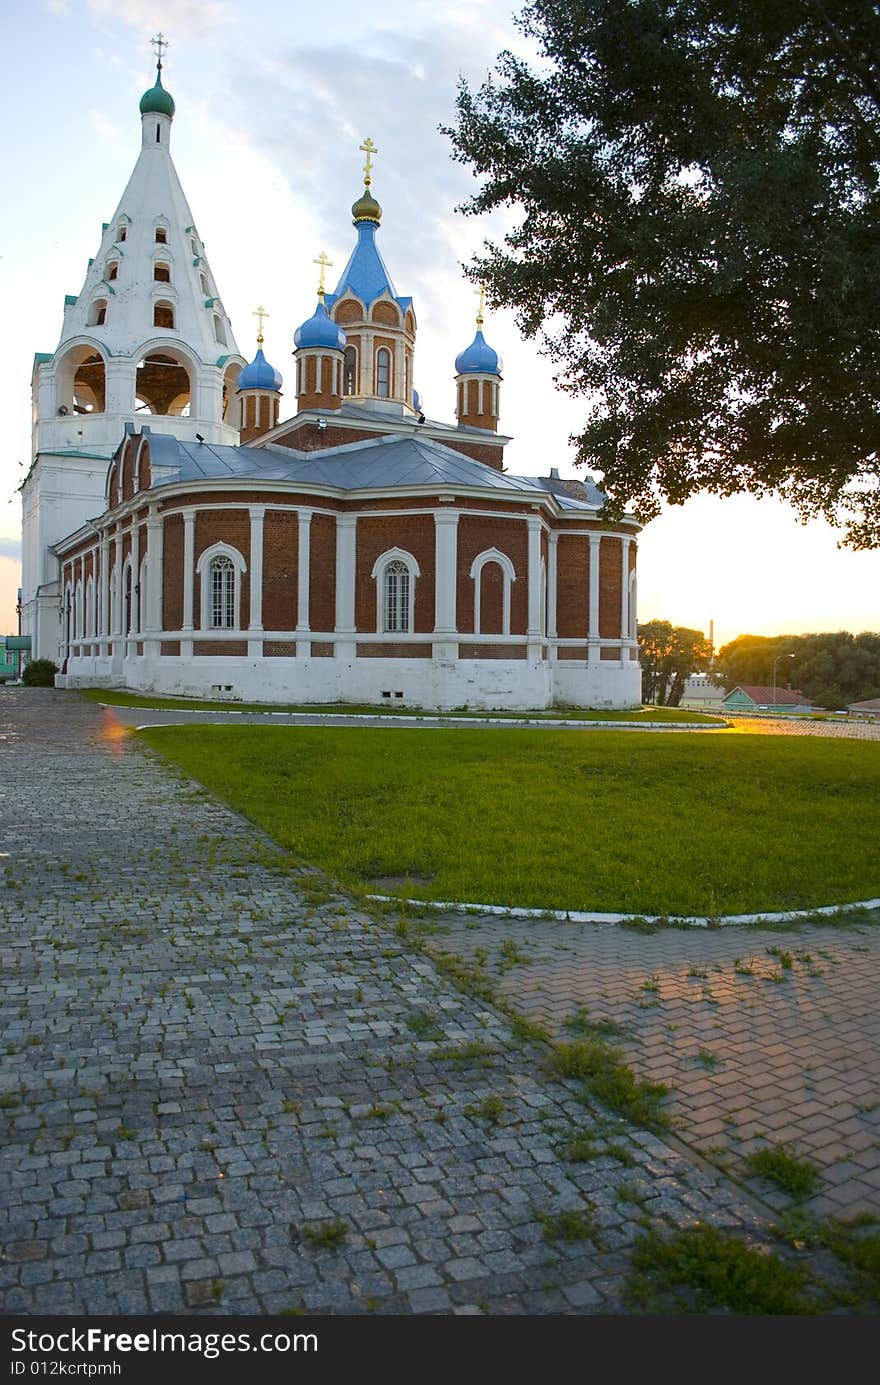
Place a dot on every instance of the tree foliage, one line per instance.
(668, 656)
(698, 240)
(831, 669)
(39, 673)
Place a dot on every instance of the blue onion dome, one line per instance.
(157, 100)
(417, 401)
(478, 358)
(320, 330)
(259, 375)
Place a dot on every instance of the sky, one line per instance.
(273, 100)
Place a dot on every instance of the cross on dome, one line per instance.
(325, 264)
(369, 149)
(160, 45)
(260, 312)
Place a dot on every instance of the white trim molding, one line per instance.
(493, 555)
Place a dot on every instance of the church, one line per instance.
(185, 533)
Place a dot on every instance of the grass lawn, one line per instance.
(565, 820)
(115, 698)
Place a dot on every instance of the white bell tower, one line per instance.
(146, 335)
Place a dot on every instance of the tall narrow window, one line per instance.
(161, 235)
(383, 373)
(163, 314)
(219, 330)
(349, 370)
(397, 598)
(113, 270)
(222, 578)
(162, 273)
(122, 233)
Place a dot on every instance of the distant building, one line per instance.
(756, 697)
(871, 708)
(701, 695)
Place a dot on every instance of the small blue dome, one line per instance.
(319, 330)
(259, 375)
(478, 358)
(417, 401)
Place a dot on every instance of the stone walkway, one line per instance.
(764, 1037)
(225, 1090)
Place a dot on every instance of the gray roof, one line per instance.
(383, 463)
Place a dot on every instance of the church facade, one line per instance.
(182, 537)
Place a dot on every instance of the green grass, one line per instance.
(701, 1270)
(570, 1226)
(117, 698)
(558, 819)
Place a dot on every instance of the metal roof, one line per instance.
(383, 463)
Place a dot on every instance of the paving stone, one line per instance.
(232, 1039)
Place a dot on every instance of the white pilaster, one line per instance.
(552, 554)
(134, 612)
(445, 583)
(624, 599)
(593, 629)
(534, 631)
(346, 555)
(104, 598)
(189, 562)
(255, 619)
(155, 573)
(303, 579)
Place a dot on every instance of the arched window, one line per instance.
(91, 624)
(221, 577)
(395, 574)
(220, 569)
(162, 272)
(349, 370)
(127, 608)
(397, 598)
(383, 373)
(219, 330)
(113, 270)
(161, 235)
(121, 233)
(203, 280)
(163, 314)
(98, 313)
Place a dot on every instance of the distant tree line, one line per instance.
(831, 669)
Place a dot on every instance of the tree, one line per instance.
(831, 669)
(698, 246)
(668, 656)
(39, 673)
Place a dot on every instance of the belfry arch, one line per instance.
(165, 382)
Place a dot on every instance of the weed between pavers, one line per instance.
(327, 1236)
(780, 1165)
(604, 1075)
(701, 1270)
(576, 1225)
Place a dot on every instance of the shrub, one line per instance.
(39, 673)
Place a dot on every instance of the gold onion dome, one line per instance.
(366, 208)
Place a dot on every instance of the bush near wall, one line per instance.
(40, 673)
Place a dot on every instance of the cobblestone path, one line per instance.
(223, 1090)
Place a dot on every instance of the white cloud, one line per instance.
(187, 18)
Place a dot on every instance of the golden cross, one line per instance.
(260, 313)
(160, 44)
(369, 149)
(482, 293)
(325, 264)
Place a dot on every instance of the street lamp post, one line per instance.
(775, 662)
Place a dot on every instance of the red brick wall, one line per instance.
(280, 540)
(415, 534)
(492, 600)
(572, 586)
(322, 575)
(509, 536)
(492, 455)
(610, 558)
(172, 578)
(221, 648)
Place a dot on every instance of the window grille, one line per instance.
(222, 593)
